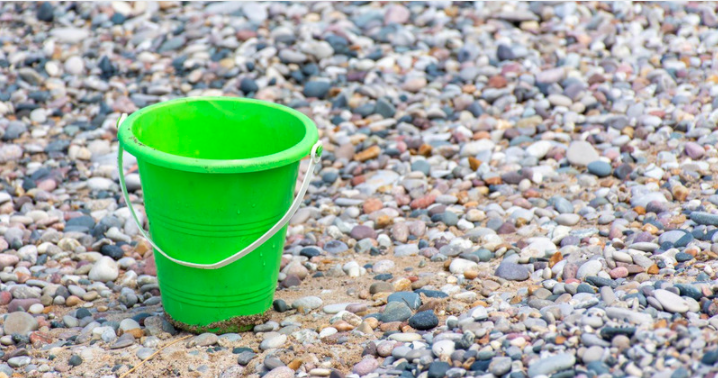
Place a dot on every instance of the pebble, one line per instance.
(459, 266)
(18, 362)
(694, 150)
(438, 369)
(568, 219)
(309, 303)
(500, 366)
(74, 65)
(539, 149)
(273, 342)
(123, 341)
(406, 250)
(705, 218)
(443, 348)
(581, 153)
(424, 320)
(589, 268)
(396, 312)
(45, 12)
(512, 272)
(245, 357)
(104, 270)
(205, 339)
(144, 353)
(599, 168)
(19, 323)
(412, 300)
(670, 301)
(383, 266)
(405, 337)
(75, 360)
(335, 308)
(317, 89)
(553, 364)
(280, 306)
(365, 366)
(280, 372)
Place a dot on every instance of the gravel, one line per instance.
(514, 189)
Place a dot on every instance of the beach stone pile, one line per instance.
(506, 189)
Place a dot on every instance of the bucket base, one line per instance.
(233, 325)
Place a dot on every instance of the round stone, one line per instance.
(599, 168)
(424, 320)
(19, 323)
(104, 270)
(317, 89)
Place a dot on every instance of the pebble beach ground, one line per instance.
(506, 190)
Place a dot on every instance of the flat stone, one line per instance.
(671, 302)
(599, 168)
(245, 357)
(549, 365)
(335, 308)
(568, 219)
(581, 153)
(383, 266)
(70, 35)
(539, 149)
(704, 218)
(123, 341)
(635, 317)
(438, 369)
(395, 312)
(366, 366)
(405, 337)
(19, 323)
(273, 342)
(280, 372)
(144, 353)
(309, 303)
(589, 268)
(381, 287)
(512, 272)
(412, 300)
(317, 89)
(20, 361)
(205, 339)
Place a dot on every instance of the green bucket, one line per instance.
(218, 177)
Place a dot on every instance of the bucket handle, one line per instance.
(315, 155)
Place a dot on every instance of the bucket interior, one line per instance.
(217, 129)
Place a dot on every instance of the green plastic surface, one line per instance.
(216, 173)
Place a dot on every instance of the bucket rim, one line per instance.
(164, 159)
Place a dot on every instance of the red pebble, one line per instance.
(150, 266)
(423, 202)
(39, 339)
(619, 272)
(5, 298)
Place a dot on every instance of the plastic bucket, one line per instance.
(218, 177)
